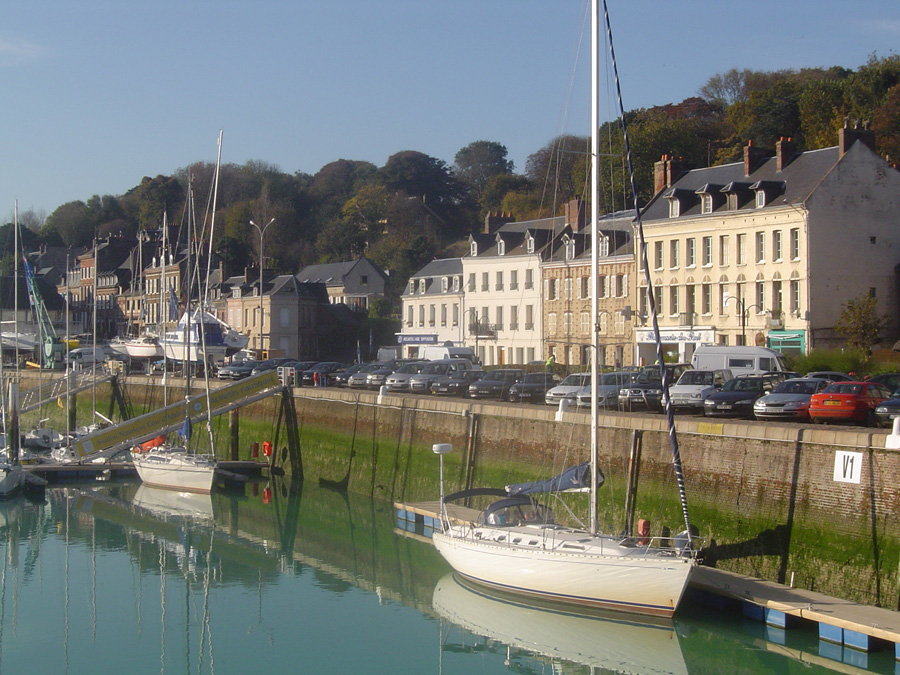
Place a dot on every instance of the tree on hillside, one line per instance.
(822, 111)
(860, 325)
(886, 123)
(478, 162)
(72, 223)
(153, 197)
(558, 171)
(499, 186)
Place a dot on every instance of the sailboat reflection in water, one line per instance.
(610, 643)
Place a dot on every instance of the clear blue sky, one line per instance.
(99, 93)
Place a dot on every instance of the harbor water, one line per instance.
(117, 577)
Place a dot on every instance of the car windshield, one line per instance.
(843, 388)
(614, 378)
(743, 384)
(797, 387)
(537, 378)
(410, 368)
(500, 375)
(697, 377)
(435, 369)
(577, 380)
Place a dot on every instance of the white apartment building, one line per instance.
(433, 307)
(767, 251)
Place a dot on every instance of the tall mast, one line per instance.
(16, 280)
(162, 313)
(595, 248)
(94, 341)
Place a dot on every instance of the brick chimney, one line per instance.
(785, 149)
(575, 214)
(494, 220)
(848, 136)
(753, 157)
(666, 171)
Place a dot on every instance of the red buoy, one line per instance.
(267, 448)
(267, 495)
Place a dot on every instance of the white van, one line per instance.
(85, 356)
(739, 360)
(438, 352)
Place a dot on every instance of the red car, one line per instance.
(848, 402)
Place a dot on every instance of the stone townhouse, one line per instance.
(433, 307)
(567, 293)
(767, 251)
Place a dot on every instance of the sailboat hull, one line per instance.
(174, 469)
(11, 480)
(569, 566)
(143, 349)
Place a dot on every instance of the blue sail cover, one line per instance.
(574, 478)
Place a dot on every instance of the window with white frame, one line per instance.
(421, 315)
(471, 284)
(674, 208)
(551, 323)
(777, 299)
(795, 296)
(657, 255)
(603, 288)
(499, 314)
(760, 198)
(706, 299)
(760, 297)
(570, 249)
(690, 253)
(776, 246)
(473, 249)
(604, 317)
(455, 314)
(673, 300)
(707, 252)
(567, 323)
(604, 246)
(529, 279)
(551, 290)
(619, 323)
(499, 281)
(514, 280)
(724, 243)
(795, 243)
(514, 317)
(529, 243)
(456, 282)
(567, 288)
(584, 288)
(585, 323)
(431, 315)
(760, 247)
(529, 317)
(706, 203)
(501, 247)
(673, 254)
(485, 281)
(445, 284)
(443, 315)
(742, 249)
(421, 285)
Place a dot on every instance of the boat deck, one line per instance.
(840, 622)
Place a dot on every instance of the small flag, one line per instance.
(186, 429)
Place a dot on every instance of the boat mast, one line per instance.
(651, 300)
(595, 249)
(163, 306)
(94, 340)
(16, 280)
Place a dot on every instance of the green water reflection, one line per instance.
(117, 577)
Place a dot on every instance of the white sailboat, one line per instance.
(201, 339)
(173, 465)
(516, 546)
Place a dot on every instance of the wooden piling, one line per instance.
(234, 428)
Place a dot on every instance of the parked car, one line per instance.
(359, 379)
(420, 383)
(567, 389)
(399, 379)
(789, 400)
(496, 383)
(375, 379)
(608, 389)
(339, 378)
(737, 396)
(848, 402)
(533, 386)
(695, 386)
(237, 371)
(830, 375)
(889, 380)
(269, 364)
(306, 377)
(645, 392)
(888, 410)
(456, 384)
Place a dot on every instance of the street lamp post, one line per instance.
(262, 232)
(743, 312)
(473, 327)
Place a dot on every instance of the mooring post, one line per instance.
(234, 428)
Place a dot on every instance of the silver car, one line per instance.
(399, 379)
(789, 400)
(607, 389)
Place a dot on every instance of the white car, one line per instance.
(695, 386)
(568, 388)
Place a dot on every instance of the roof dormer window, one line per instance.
(569, 244)
(412, 286)
(706, 203)
(421, 285)
(604, 246)
(501, 247)
(529, 243)
(445, 284)
(674, 207)
(457, 281)
(473, 249)
(760, 198)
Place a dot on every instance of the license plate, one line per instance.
(723, 406)
(832, 402)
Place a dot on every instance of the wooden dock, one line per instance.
(840, 622)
